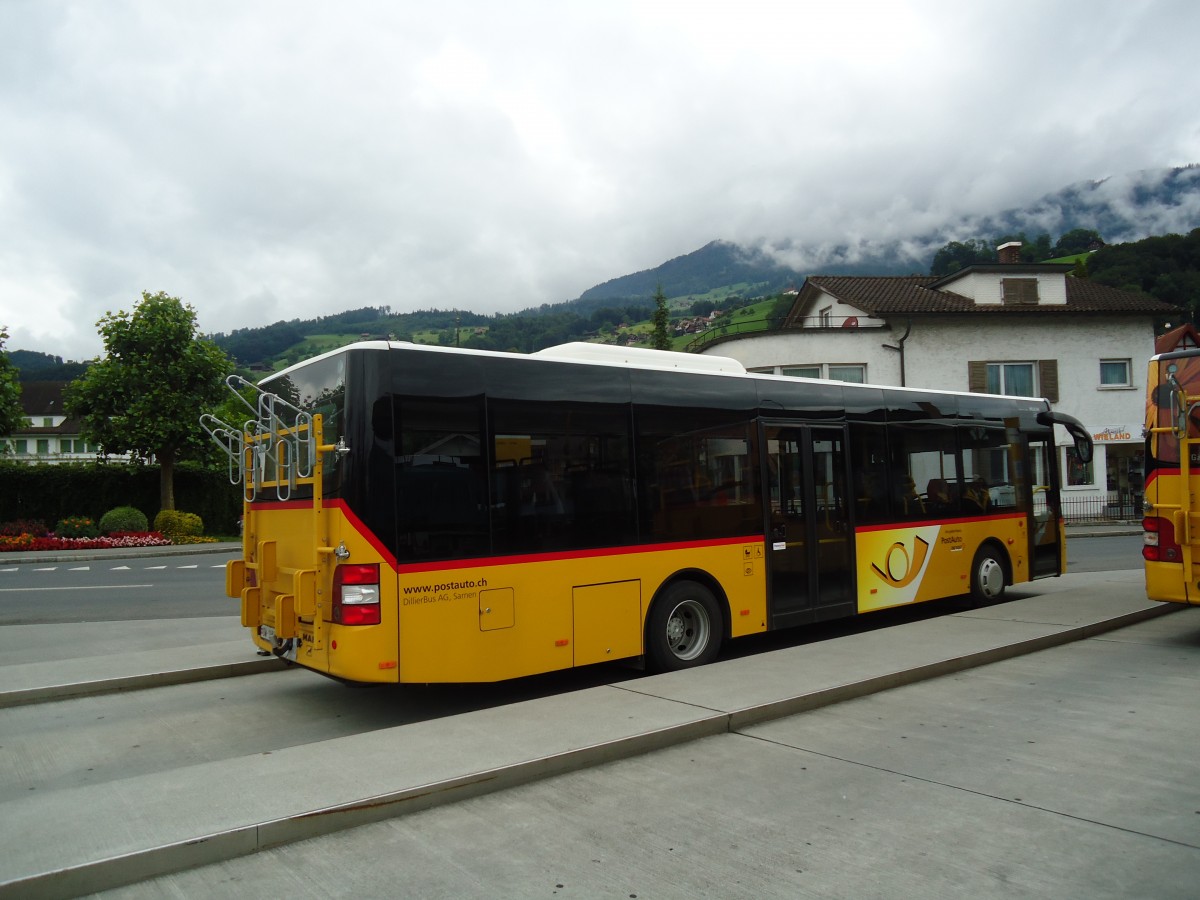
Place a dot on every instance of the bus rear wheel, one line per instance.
(685, 628)
(988, 576)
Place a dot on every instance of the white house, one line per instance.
(1009, 328)
(48, 436)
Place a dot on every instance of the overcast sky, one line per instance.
(278, 160)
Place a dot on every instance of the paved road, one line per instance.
(113, 589)
(1104, 554)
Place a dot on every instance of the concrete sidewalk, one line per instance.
(55, 662)
(75, 840)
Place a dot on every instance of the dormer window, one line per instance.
(1019, 291)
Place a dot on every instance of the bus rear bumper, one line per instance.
(1165, 582)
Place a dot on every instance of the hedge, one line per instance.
(54, 492)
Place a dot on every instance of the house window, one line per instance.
(1020, 379)
(1078, 474)
(21, 447)
(1115, 373)
(1019, 290)
(1015, 378)
(47, 423)
(827, 317)
(856, 373)
(801, 371)
(43, 447)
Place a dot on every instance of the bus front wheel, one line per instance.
(685, 627)
(988, 576)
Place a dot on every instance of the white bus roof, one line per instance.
(641, 358)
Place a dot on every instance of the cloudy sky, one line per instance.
(279, 159)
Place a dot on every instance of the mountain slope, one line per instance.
(716, 264)
(1122, 208)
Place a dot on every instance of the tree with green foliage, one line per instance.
(147, 393)
(1166, 267)
(11, 413)
(661, 339)
(1077, 240)
(958, 255)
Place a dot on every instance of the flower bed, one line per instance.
(27, 542)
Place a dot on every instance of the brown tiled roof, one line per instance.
(42, 398)
(882, 296)
(1177, 338)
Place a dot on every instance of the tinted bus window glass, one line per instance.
(925, 471)
(695, 482)
(441, 487)
(988, 485)
(869, 461)
(561, 476)
(812, 400)
(318, 388)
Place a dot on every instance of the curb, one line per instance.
(117, 553)
(53, 692)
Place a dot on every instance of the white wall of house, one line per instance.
(837, 346)
(986, 288)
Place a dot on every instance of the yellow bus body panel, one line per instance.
(928, 561)
(556, 613)
(1165, 582)
(472, 620)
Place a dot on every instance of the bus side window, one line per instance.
(925, 458)
(869, 461)
(440, 484)
(561, 476)
(987, 469)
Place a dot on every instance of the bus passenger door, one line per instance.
(1046, 548)
(810, 547)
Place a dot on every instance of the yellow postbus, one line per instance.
(1171, 524)
(428, 514)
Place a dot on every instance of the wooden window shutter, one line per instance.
(1048, 378)
(977, 376)
(1019, 291)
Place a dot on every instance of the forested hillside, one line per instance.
(716, 264)
(1167, 268)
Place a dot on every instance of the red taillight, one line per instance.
(356, 594)
(1158, 540)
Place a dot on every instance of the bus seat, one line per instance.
(937, 494)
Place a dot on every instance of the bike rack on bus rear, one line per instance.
(274, 448)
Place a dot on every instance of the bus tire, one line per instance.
(685, 627)
(989, 575)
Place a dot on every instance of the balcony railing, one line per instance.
(728, 328)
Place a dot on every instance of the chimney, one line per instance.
(1010, 253)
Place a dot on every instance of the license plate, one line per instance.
(267, 633)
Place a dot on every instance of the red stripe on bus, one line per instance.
(627, 550)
